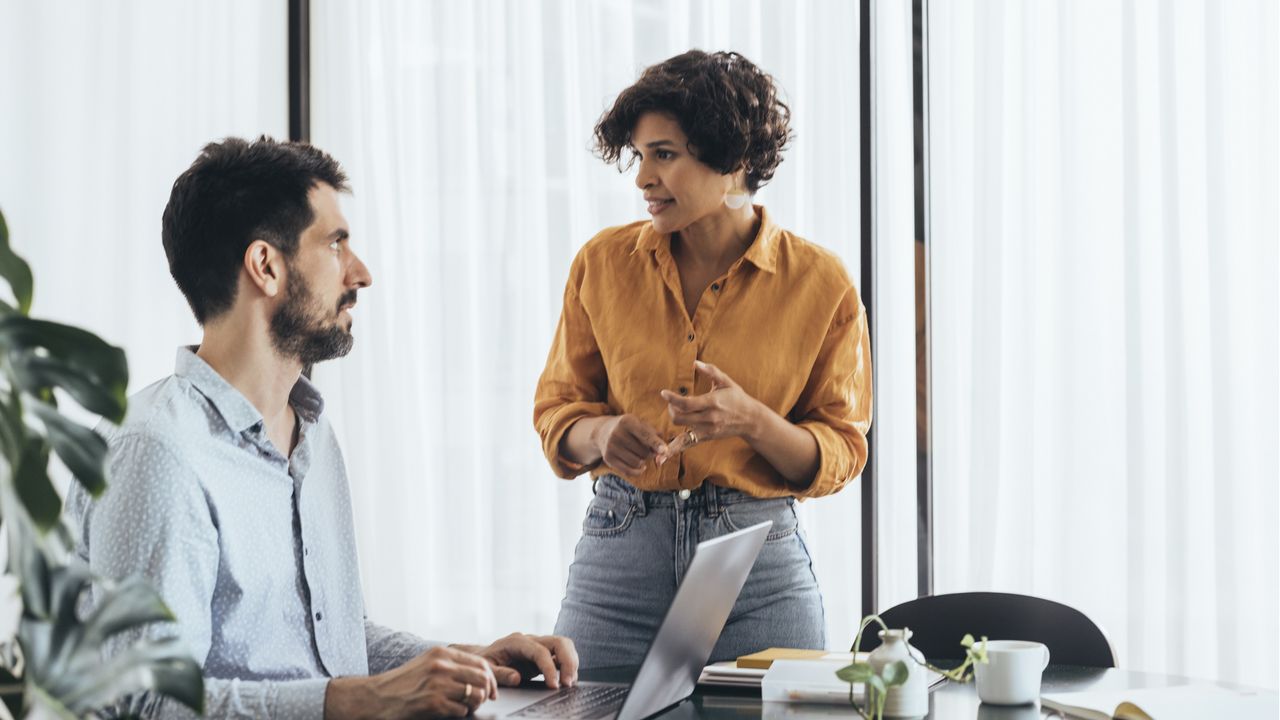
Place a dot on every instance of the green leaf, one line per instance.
(36, 372)
(855, 673)
(31, 479)
(15, 270)
(877, 683)
(895, 674)
(12, 700)
(133, 603)
(160, 666)
(47, 354)
(81, 449)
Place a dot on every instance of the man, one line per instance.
(228, 490)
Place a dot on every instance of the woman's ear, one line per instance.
(264, 264)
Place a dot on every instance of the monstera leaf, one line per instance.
(67, 672)
(65, 663)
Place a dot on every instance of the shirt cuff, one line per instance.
(835, 466)
(301, 698)
(558, 425)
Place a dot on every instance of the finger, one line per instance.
(637, 447)
(695, 403)
(566, 655)
(540, 656)
(698, 417)
(628, 463)
(446, 707)
(716, 375)
(474, 669)
(649, 438)
(508, 676)
(677, 401)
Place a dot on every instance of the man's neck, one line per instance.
(244, 356)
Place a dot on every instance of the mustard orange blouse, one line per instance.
(785, 322)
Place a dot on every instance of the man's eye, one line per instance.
(335, 245)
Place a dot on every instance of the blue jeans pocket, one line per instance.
(781, 511)
(608, 515)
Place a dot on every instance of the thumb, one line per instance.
(715, 374)
(506, 675)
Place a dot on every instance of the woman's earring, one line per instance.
(736, 199)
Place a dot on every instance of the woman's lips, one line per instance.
(657, 206)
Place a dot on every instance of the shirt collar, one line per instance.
(235, 408)
(763, 251)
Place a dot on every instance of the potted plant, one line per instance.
(880, 681)
(55, 667)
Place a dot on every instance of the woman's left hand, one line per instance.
(726, 411)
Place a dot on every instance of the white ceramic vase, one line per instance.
(911, 699)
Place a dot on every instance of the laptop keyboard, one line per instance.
(579, 701)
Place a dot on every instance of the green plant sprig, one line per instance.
(894, 674)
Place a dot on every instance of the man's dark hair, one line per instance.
(727, 107)
(234, 193)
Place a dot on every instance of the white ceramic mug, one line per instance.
(1011, 675)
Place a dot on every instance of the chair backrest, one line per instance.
(938, 622)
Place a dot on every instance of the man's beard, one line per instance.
(299, 329)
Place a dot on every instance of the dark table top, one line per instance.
(947, 701)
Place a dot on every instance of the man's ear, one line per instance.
(264, 263)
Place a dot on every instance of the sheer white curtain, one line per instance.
(104, 105)
(1104, 188)
(466, 128)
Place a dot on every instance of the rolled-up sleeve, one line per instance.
(574, 384)
(835, 406)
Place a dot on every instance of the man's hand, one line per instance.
(726, 411)
(442, 682)
(519, 656)
(627, 444)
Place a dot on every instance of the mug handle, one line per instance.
(1045, 664)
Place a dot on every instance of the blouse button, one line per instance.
(684, 390)
(690, 337)
(715, 287)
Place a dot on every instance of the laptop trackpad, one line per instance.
(511, 700)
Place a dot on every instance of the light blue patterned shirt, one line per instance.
(253, 551)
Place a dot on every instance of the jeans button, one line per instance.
(684, 494)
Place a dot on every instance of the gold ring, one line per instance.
(466, 694)
(693, 436)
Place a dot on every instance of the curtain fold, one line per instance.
(1104, 251)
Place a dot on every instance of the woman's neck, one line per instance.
(720, 238)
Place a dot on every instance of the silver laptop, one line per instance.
(677, 655)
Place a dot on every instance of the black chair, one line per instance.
(937, 623)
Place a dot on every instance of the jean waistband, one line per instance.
(710, 497)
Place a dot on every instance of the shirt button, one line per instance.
(319, 617)
(690, 337)
(684, 390)
(684, 494)
(715, 287)
(306, 551)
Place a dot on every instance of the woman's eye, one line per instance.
(665, 154)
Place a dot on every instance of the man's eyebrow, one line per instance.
(339, 234)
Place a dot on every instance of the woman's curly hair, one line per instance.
(727, 107)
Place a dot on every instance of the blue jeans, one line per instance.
(636, 547)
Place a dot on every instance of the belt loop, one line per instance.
(637, 497)
(711, 496)
(594, 482)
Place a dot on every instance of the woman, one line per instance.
(708, 369)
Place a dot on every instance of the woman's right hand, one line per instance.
(627, 444)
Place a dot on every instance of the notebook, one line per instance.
(1165, 703)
